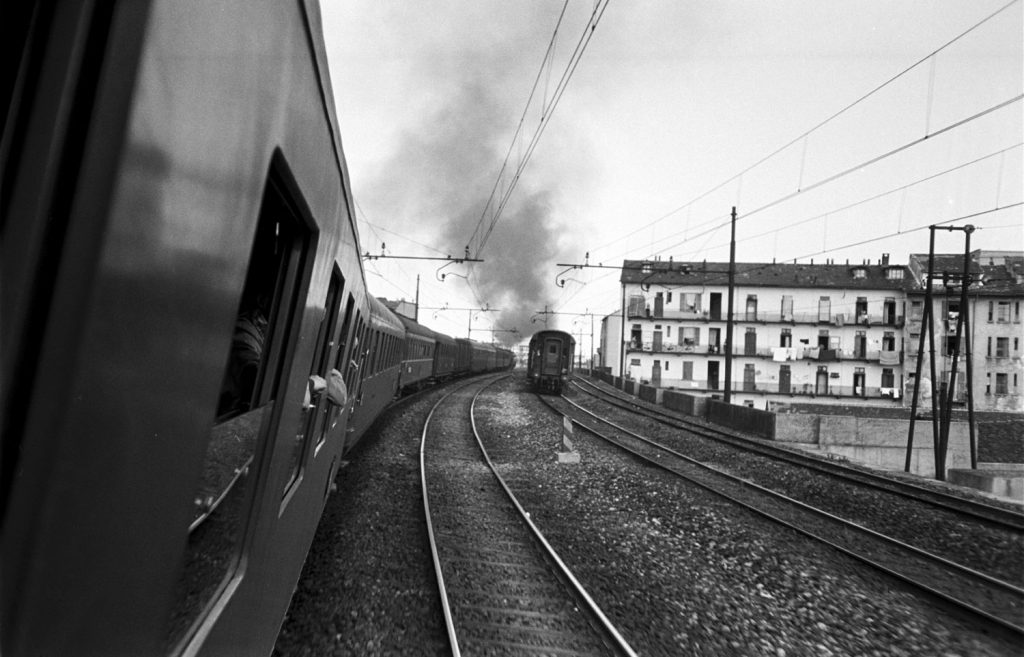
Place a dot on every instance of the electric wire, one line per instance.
(818, 126)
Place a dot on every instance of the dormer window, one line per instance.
(894, 273)
(860, 272)
(645, 268)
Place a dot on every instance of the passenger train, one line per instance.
(549, 360)
(188, 344)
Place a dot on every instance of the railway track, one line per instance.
(995, 516)
(997, 603)
(503, 589)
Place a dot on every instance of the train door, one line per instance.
(712, 375)
(313, 418)
(553, 357)
(248, 415)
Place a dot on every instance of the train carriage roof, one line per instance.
(382, 318)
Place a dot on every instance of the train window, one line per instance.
(315, 408)
(246, 422)
(352, 366)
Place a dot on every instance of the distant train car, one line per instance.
(417, 356)
(549, 361)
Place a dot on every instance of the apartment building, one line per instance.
(995, 337)
(828, 331)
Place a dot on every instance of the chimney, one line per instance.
(885, 259)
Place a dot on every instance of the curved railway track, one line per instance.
(998, 603)
(503, 589)
(994, 515)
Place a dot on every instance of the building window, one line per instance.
(645, 268)
(668, 331)
(861, 310)
(824, 309)
(1002, 312)
(1001, 388)
(894, 273)
(1002, 347)
(1016, 312)
(989, 351)
(888, 379)
(687, 370)
(689, 302)
(1016, 345)
(916, 309)
(751, 307)
(668, 297)
(786, 338)
(889, 341)
(690, 337)
(990, 306)
(860, 272)
(787, 307)
(860, 344)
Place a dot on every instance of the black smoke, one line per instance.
(441, 176)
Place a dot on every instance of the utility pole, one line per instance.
(728, 317)
(416, 313)
(942, 400)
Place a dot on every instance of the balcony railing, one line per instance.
(763, 317)
(775, 388)
(881, 356)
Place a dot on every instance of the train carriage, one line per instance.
(550, 360)
(418, 354)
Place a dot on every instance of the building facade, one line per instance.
(827, 331)
(994, 335)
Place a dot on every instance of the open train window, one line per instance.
(263, 336)
(316, 406)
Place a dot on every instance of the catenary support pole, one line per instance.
(728, 316)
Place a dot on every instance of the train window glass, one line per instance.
(315, 404)
(354, 353)
(341, 362)
(246, 422)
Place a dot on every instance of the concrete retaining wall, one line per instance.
(742, 418)
(684, 403)
(877, 442)
(651, 394)
(796, 428)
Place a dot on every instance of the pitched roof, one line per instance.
(848, 276)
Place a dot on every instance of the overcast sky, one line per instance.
(671, 101)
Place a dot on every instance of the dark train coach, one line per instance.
(549, 362)
(188, 344)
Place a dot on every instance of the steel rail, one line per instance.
(613, 637)
(1011, 589)
(1001, 517)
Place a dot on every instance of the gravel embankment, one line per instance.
(679, 571)
(368, 585)
(992, 550)
(684, 573)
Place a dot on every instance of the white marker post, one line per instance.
(566, 453)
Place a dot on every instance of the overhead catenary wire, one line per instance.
(483, 232)
(816, 127)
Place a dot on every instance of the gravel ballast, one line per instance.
(679, 571)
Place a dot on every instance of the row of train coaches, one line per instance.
(189, 347)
